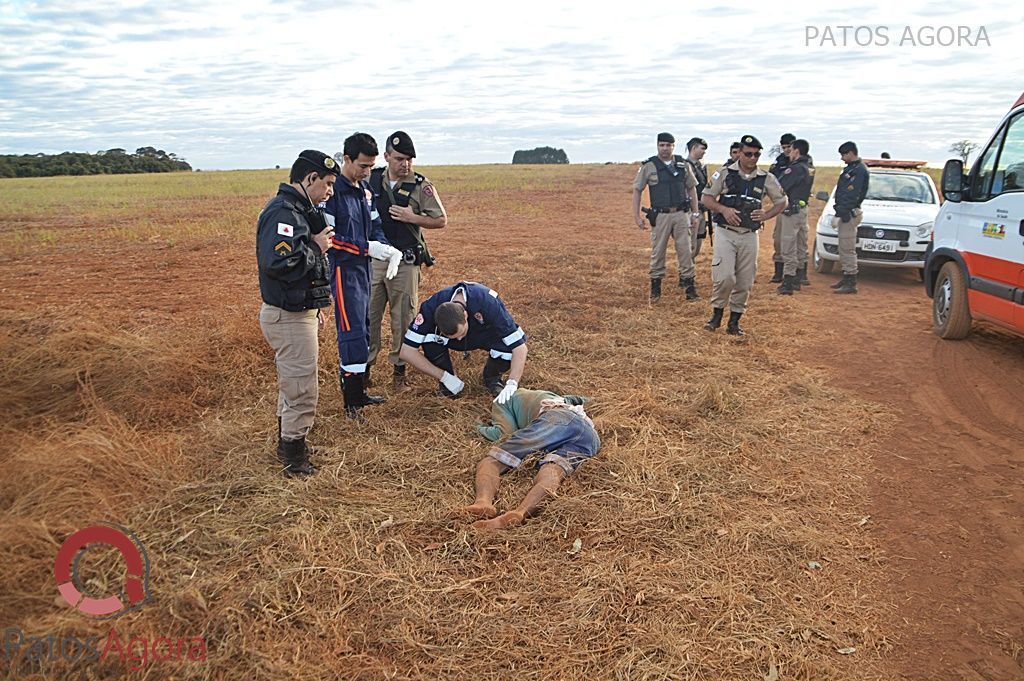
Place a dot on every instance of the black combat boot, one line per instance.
(493, 369)
(295, 457)
(778, 273)
(691, 289)
(716, 319)
(354, 394)
(786, 287)
(733, 327)
(310, 449)
(794, 281)
(848, 284)
(398, 377)
(655, 289)
(839, 284)
(802, 273)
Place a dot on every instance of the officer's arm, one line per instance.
(286, 251)
(413, 356)
(862, 188)
(431, 213)
(515, 372)
(844, 200)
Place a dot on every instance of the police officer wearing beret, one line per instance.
(674, 203)
(796, 180)
(292, 238)
(696, 148)
(736, 195)
(734, 153)
(851, 188)
(776, 169)
(408, 203)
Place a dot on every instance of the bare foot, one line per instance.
(503, 521)
(479, 509)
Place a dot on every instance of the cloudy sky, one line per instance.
(248, 84)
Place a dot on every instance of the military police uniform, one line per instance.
(670, 184)
(734, 260)
(294, 286)
(356, 224)
(796, 180)
(400, 294)
(699, 229)
(777, 169)
(851, 188)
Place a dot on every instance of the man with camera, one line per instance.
(408, 203)
(736, 195)
(292, 238)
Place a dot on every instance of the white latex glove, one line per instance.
(453, 383)
(382, 251)
(393, 262)
(507, 392)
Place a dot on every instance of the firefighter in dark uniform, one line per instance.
(292, 238)
(408, 203)
(851, 188)
(776, 169)
(796, 180)
(357, 238)
(736, 196)
(696, 148)
(672, 213)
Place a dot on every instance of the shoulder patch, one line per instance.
(492, 293)
(283, 248)
(718, 173)
(284, 229)
(479, 317)
(787, 171)
(428, 189)
(418, 321)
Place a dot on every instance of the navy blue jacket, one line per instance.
(851, 188)
(355, 222)
(293, 269)
(491, 327)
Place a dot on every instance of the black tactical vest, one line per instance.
(743, 195)
(701, 174)
(670, 192)
(401, 235)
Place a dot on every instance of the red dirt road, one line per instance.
(948, 502)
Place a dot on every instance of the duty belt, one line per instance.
(738, 231)
(672, 210)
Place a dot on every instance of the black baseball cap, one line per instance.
(666, 137)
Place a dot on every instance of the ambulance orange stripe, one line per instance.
(339, 301)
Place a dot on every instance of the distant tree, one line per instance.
(144, 160)
(963, 149)
(540, 155)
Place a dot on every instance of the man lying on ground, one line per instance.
(550, 425)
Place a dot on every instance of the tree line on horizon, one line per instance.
(540, 155)
(109, 162)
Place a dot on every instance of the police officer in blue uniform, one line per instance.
(292, 238)
(777, 169)
(796, 180)
(357, 238)
(851, 188)
(466, 316)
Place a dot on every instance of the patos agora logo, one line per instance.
(135, 590)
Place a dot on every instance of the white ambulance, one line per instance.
(975, 264)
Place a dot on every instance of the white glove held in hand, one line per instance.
(381, 251)
(453, 383)
(393, 262)
(507, 392)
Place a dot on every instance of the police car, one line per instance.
(896, 228)
(975, 267)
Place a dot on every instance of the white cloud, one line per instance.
(247, 84)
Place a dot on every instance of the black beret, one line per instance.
(751, 141)
(666, 137)
(788, 138)
(401, 142)
(696, 140)
(323, 163)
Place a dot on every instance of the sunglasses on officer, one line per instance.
(752, 154)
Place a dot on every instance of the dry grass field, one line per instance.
(728, 529)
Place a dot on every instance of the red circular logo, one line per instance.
(135, 588)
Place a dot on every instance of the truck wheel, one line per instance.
(951, 315)
(821, 266)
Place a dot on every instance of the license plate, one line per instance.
(878, 246)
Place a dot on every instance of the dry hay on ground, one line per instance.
(727, 468)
